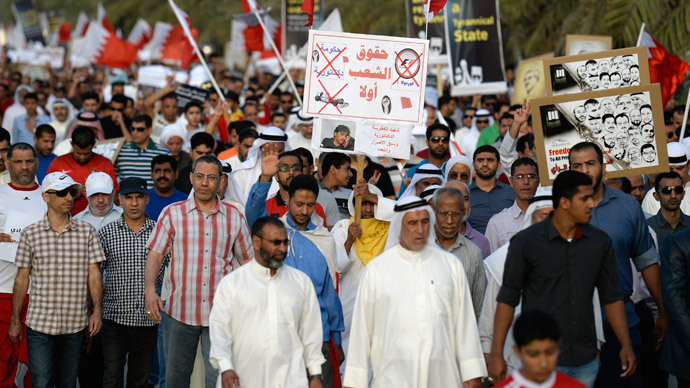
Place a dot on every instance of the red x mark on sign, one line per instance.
(331, 99)
(330, 62)
(407, 70)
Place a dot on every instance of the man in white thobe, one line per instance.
(413, 323)
(265, 325)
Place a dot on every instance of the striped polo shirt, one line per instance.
(135, 162)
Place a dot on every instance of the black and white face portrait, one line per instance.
(594, 74)
(648, 153)
(608, 107)
(580, 113)
(646, 114)
(635, 156)
(386, 104)
(647, 133)
(635, 117)
(315, 56)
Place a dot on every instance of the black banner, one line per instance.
(416, 28)
(475, 48)
(186, 93)
(27, 15)
(293, 19)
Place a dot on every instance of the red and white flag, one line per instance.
(103, 18)
(432, 7)
(82, 25)
(247, 34)
(664, 68)
(170, 44)
(63, 33)
(141, 34)
(103, 47)
(308, 7)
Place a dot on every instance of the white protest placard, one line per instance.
(39, 56)
(371, 137)
(369, 77)
(14, 223)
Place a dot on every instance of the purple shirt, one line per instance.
(478, 239)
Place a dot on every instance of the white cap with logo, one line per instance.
(57, 181)
(99, 182)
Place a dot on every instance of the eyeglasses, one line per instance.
(288, 168)
(520, 177)
(138, 129)
(668, 189)
(277, 242)
(452, 215)
(463, 176)
(119, 109)
(211, 178)
(437, 139)
(469, 116)
(73, 191)
(485, 121)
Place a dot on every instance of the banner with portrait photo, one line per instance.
(417, 28)
(475, 50)
(530, 81)
(585, 44)
(597, 71)
(374, 138)
(367, 77)
(621, 121)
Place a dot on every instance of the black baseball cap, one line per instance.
(133, 185)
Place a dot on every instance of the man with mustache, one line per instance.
(163, 174)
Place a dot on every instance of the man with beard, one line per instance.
(524, 179)
(438, 141)
(283, 168)
(488, 195)
(266, 319)
(579, 113)
(669, 192)
(623, 104)
(163, 193)
(449, 210)
(635, 117)
(678, 162)
(620, 216)
(609, 123)
(100, 193)
(648, 153)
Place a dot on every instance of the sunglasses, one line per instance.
(437, 139)
(469, 116)
(73, 191)
(277, 242)
(668, 189)
(138, 129)
(463, 176)
(485, 121)
(288, 168)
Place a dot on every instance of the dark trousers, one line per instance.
(683, 383)
(652, 375)
(131, 345)
(610, 371)
(91, 363)
(54, 359)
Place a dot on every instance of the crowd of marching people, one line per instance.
(216, 247)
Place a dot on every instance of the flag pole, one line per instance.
(189, 36)
(685, 119)
(639, 37)
(280, 59)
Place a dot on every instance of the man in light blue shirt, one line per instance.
(25, 125)
(101, 210)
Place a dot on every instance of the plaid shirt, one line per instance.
(123, 272)
(59, 264)
(204, 248)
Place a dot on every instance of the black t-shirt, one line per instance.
(385, 184)
(182, 182)
(329, 143)
(112, 129)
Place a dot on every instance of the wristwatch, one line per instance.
(317, 377)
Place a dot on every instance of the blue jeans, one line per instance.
(585, 373)
(54, 359)
(157, 374)
(609, 374)
(180, 342)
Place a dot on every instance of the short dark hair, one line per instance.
(523, 162)
(626, 186)
(202, 138)
(567, 184)
(259, 225)
(44, 128)
(168, 96)
(486, 148)
(305, 153)
(525, 139)
(647, 146)
(143, 118)
(4, 135)
(443, 100)
(163, 159)
(247, 133)
(666, 175)
(506, 116)
(83, 137)
(31, 96)
(129, 99)
(192, 104)
(240, 125)
(210, 159)
(335, 159)
(606, 116)
(20, 147)
(293, 154)
(303, 182)
(90, 96)
(278, 114)
(434, 127)
(535, 325)
(583, 146)
(119, 98)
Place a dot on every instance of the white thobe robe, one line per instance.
(267, 329)
(413, 323)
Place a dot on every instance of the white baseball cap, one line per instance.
(99, 182)
(57, 181)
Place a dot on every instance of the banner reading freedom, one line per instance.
(473, 35)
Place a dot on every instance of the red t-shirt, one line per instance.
(556, 380)
(79, 172)
(277, 208)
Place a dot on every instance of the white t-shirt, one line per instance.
(20, 207)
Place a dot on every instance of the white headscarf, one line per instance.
(63, 102)
(427, 170)
(481, 113)
(462, 159)
(429, 192)
(468, 143)
(170, 131)
(269, 135)
(351, 201)
(414, 204)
